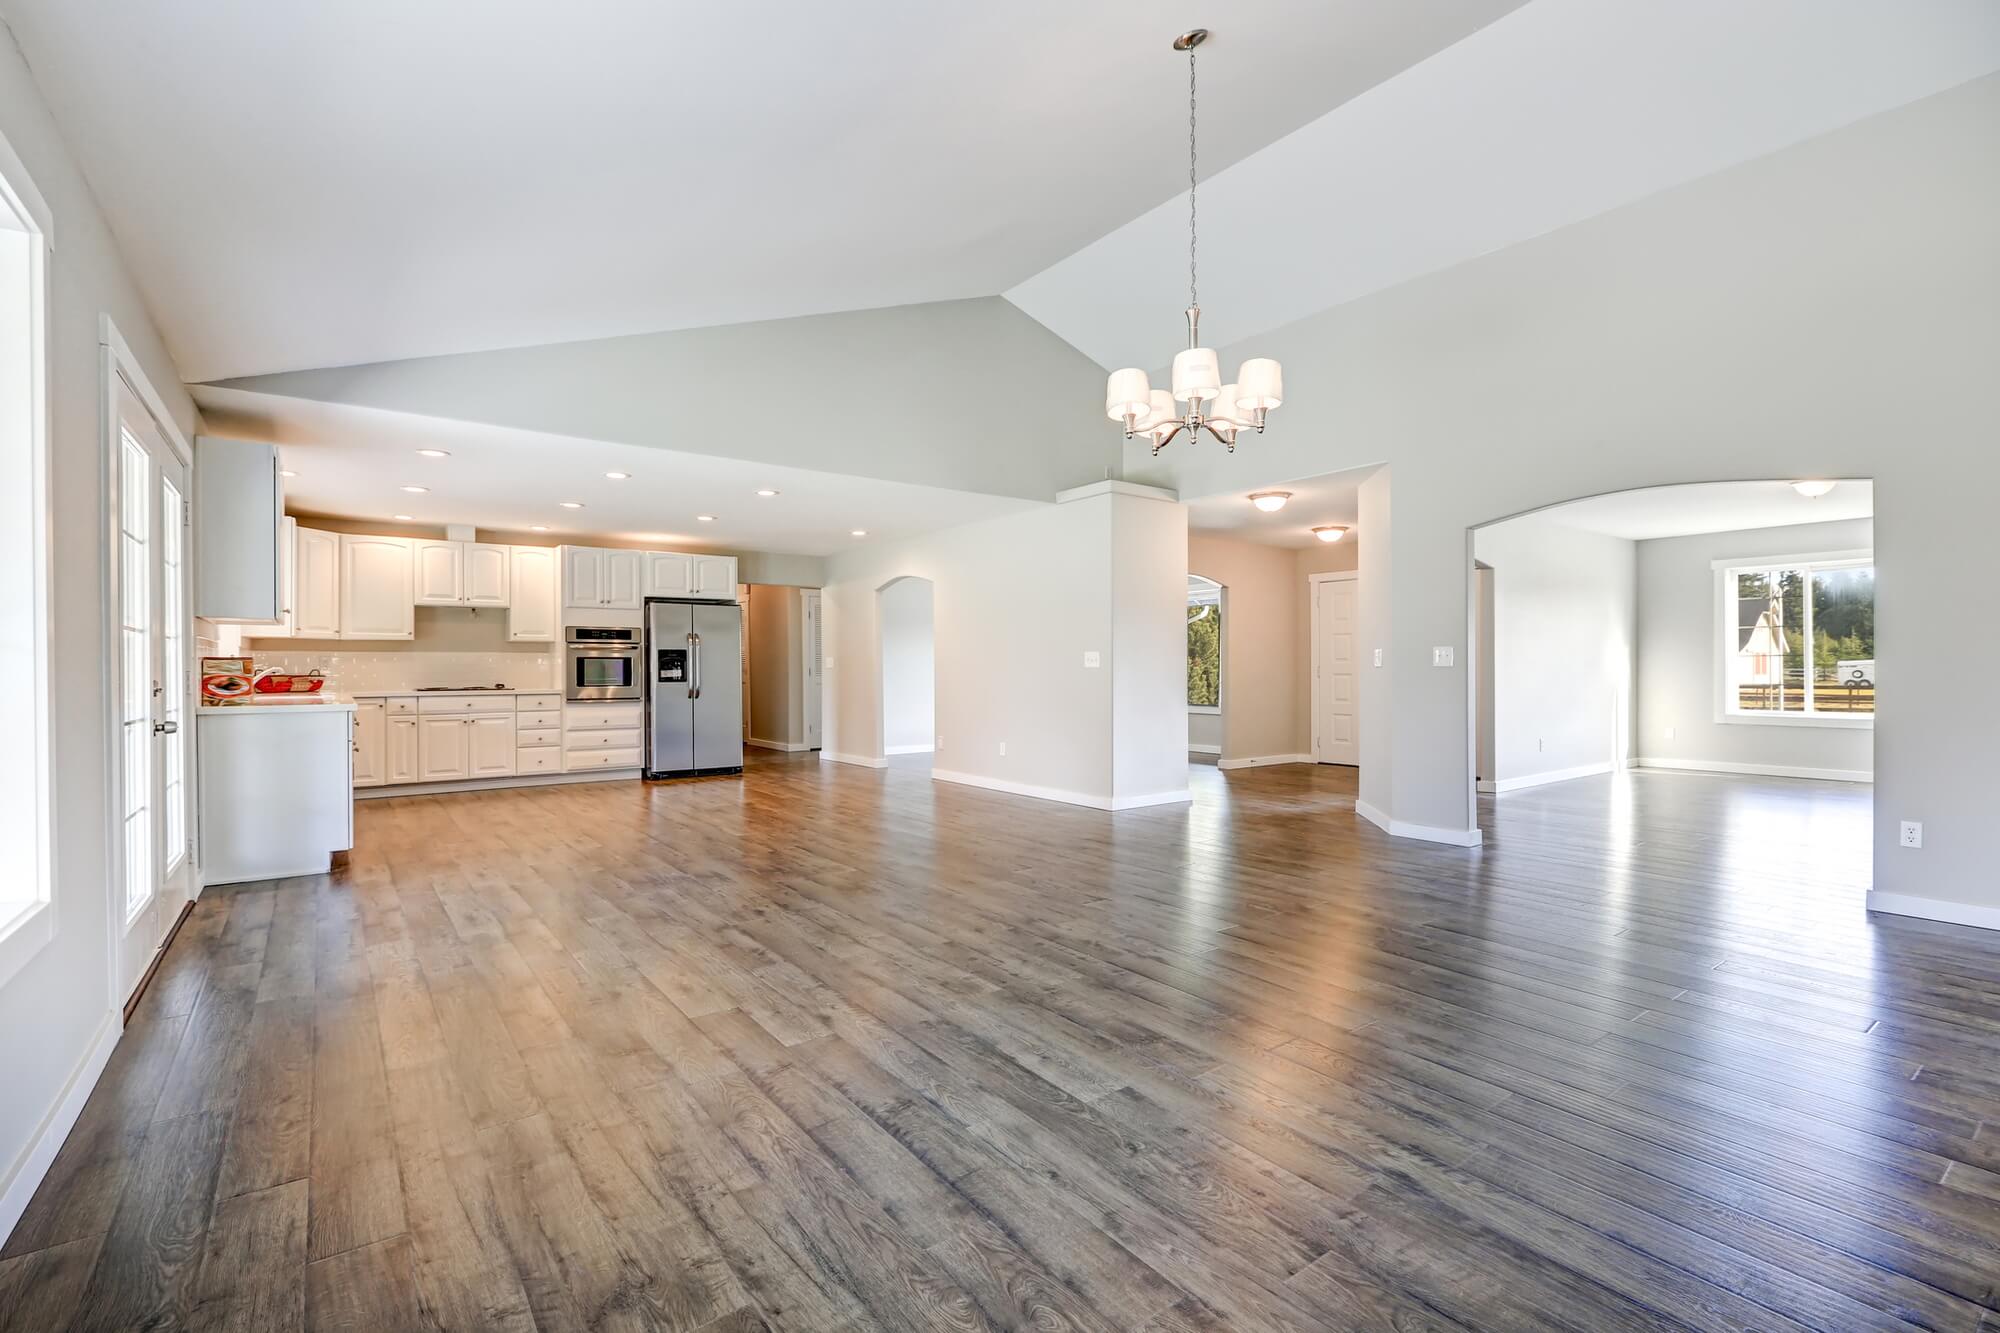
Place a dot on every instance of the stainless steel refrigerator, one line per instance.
(694, 688)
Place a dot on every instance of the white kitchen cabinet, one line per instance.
(532, 613)
(370, 744)
(276, 789)
(288, 552)
(488, 578)
(315, 584)
(669, 574)
(444, 748)
(715, 576)
(490, 747)
(439, 572)
(583, 576)
(377, 592)
(239, 514)
(597, 578)
(400, 753)
(622, 579)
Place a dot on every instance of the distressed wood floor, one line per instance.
(829, 1049)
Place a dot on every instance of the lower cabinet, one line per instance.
(444, 749)
(402, 750)
(491, 748)
(370, 745)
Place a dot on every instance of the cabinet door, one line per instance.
(583, 576)
(715, 576)
(531, 609)
(668, 574)
(486, 574)
(442, 748)
(492, 746)
(440, 572)
(370, 743)
(401, 752)
(621, 580)
(288, 553)
(377, 597)
(316, 584)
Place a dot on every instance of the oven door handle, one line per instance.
(694, 675)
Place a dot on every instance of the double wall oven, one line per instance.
(603, 663)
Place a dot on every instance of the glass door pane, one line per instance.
(173, 674)
(135, 716)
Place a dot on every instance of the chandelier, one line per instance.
(1220, 409)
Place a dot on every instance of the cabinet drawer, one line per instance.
(597, 717)
(619, 758)
(527, 734)
(402, 703)
(465, 703)
(538, 703)
(538, 761)
(616, 738)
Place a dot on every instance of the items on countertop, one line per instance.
(227, 681)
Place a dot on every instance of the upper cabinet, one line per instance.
(315, 584)
(715, 576)
(288, 550)
(488, 574)
(602, 578)
(622, 579)
(239, 513)
(377, 588)
(669, 574)
(454, 573)
(533, 614)
(583, 576)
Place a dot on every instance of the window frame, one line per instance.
(28, 920)
(1221, 655)
(1726, 572)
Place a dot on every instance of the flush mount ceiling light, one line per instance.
(539, 527)
(859, 532)
(418, 490)
(403, 518)
(435, 453)
(618, 476)
(1812, 490)
(767, 494)
(1329, 533)
(1220, 409)
(571, 504)
(704, 518)
(1270, 501)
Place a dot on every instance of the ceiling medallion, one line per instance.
(1220, 409)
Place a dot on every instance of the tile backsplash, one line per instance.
(360, 671)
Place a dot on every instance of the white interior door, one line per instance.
(811, 634)
(156, 879)
(1336, 737)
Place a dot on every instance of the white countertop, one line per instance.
(402, 694)
(277, 703)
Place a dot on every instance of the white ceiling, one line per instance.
(301, 185)
(1722, 506)
(351, 461)
(1331, 499)
(1559, 111)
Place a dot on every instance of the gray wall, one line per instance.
(55, 1010)
(1677, 653)
(1829, 310)
(773, 621)
(909, 393)
(908, 671)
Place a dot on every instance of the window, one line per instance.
(1797, 640)
(1204, 644)
(26, 911)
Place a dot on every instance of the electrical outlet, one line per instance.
(1092, 659)
(1003, 749)
(940, 742)
(1378, 657)
(1441, 657)
(1913, 833)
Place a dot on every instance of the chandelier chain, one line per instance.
(1191, 180)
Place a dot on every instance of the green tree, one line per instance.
(1204, 656)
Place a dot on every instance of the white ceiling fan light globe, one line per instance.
(1197, 375)
(1260, 384)
(1128, 393)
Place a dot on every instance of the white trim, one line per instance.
(1265, 760)
(1312, 686)
(830, 756)
(1934, 909)
(1204, 710)
(1854, 557)
(1484, 785)
(906, 749)
(1203, 749)
(490, 784)
(1527, 780)
(1131, 488)
(17, 187)
(1396, 828)
(1759, 770)
(33, 1164)
(789, 747)
(1066, 797)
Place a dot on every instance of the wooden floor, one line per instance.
(829, 1048)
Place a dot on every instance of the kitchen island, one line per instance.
(276, 788)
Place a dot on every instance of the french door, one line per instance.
(155, 878)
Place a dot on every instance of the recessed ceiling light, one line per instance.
(417, 490)
(1812, 490)
(403, 518)
(704, 518)
(767, 494)
(539, 527)
(286, 472)
(572, 504)
(1329, 533)
(1270, 501)
(619, 476)
(859, 532)
(435, 453)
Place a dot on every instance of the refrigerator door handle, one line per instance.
(694, 676)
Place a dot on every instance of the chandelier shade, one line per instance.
(1129, 394)
(1196, 375)
(1260, 384)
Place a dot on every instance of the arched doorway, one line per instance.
(906, 621)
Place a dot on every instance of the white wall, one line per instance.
(1829, 310)
(1564, 626)
(57, 1010)
(1677, 655)
(776, 663)
(1018, 601)
(908, 693)
(1261, 644)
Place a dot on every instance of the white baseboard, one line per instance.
(35, 1161)
(1934, 909)
(1264, 760)
(829, 757)
(1759, 770)
(906, 749)
(1485, 785)
(1397, 828)
(789, 747)
(1061, 794)
(489, 784)
(1527, 780)
(1203, 749)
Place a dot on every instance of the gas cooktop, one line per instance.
(460, 689)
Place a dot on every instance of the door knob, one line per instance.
(165, 728)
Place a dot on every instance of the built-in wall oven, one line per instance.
(603, 663)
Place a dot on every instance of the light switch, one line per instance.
(1440, 657)
(1378, 657)
(1091, 660)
